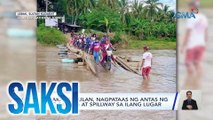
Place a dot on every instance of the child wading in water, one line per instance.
(146, 63)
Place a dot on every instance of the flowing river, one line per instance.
(118, 80)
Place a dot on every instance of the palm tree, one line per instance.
(152, 8)
(163, 13)
(171, 14)
(87, 5)
(165, 9)
(110, 3)
(75, 8)
(166, 13)
(137, 9)
(124, 10)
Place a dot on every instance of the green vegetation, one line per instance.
(154, 44)
(49, 36)
(132, 42)
(103, 19)
(149, 20)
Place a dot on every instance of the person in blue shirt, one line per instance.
(87, 44)
(95, 48)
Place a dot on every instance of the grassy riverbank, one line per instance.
(153, 44)
(125, 41)
(138, 44)
(48, 37)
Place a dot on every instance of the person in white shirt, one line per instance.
(146, 63)
(195, 42)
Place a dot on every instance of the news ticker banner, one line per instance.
(127, 101)
(65, 98)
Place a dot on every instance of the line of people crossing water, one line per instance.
(101, 49)
(92, 44)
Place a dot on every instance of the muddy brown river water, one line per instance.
(206, 83)
(18, 62)
(163, 75)
(163, 79)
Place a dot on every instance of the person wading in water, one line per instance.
(146, 63)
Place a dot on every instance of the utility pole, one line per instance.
(63, 19)
(46, 5)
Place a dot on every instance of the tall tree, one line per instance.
(166, 14)
(124, 11)
(87, 5)
(110, 3)
(75, 8)
(103, 19)
(137, 9)
(152, 8)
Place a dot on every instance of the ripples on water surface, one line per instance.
(163, 79)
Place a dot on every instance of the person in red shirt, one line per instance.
(105, 47)
(96, 47)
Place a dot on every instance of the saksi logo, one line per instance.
(37, 98)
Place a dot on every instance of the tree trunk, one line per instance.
(107, 30)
